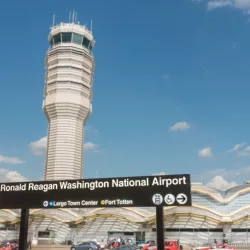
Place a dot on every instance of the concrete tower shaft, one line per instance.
(67, 98)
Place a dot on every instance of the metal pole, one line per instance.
(208, 235)
(247, 229)
(23, 231)
(159, 227)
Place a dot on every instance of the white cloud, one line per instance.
(165, 77)
(10, 160)
(10, 176)
(243, 5)
(218, 4)
(91, 146)
(236, 147)
(205, 152)
(179, 126)
(223, 172)
(242, 171)
(39, 147)
(245, 152)
(218, 182)
(160, 173)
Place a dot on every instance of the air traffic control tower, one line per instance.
(67, 98)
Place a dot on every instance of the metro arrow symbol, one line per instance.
(181, 198)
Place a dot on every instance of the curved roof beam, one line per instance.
(95, 216)
(200, 207)
(50, 217)
(221, 200)
(193, 215)
(132, 209)
(9, 211)
(33, 211)
(224, 217)
(216, 212)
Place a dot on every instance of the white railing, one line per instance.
(240, 246)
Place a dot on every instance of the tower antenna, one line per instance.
(91, 26)
(76, 17)
(73, 16)
(54, 16)
(69, 15)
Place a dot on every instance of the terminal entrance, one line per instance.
(193, 235)
(135, 237)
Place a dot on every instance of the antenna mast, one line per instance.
(54, 16)
(91, 26)
(69, 15)
(73, 16)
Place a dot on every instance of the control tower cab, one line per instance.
(67, 98)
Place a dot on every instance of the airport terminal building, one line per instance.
(213, 215)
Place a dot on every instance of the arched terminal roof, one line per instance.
(222, 196)
(7, 215)
(61, 214)
(130, 212)
(234, 206)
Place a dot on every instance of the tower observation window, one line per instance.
(85, 42)
(51, 41)
(71, 37)
(57, 38)
(66, 37)
(77, 38)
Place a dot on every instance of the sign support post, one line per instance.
(160, 227)
(23, 232)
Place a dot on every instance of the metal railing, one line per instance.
(237, 246)
(240, 246)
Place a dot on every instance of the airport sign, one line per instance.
(142, 191)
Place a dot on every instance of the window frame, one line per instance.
(45, 236)
(71, 35)
(87, 45)
(60, 38)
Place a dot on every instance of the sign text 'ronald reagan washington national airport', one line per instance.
(165, 190)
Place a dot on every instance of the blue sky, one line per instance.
(175, 62)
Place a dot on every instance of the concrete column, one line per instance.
(227, 232)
